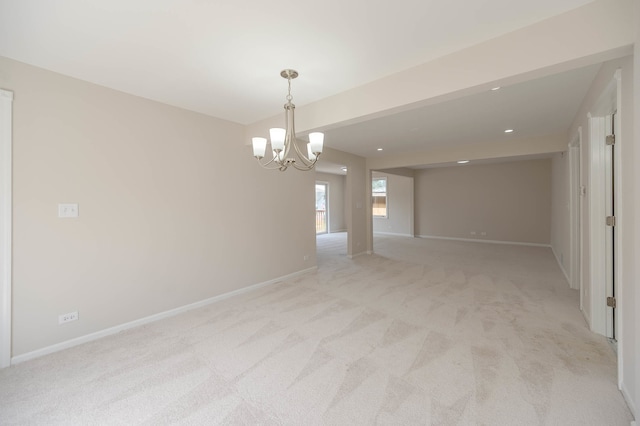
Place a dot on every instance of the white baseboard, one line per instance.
(362, 253)
(561, 266)
(392, 233)
(629, 401)
(587, 318)
(146, 320)
(471, 240)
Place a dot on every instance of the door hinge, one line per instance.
(611, 221)
(611, 140)
(611, 302)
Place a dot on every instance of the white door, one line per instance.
(610, 236)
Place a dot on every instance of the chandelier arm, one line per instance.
(273, 160)
(277, 164)
(291, 132)
(307, 161)
(305, 168)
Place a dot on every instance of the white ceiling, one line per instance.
(535, 108)
(323, 166)
(224, 59)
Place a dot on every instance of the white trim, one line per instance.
(6, 102)
(412, 207)
(628, 399)
(575, 213)
(362, 253)
(619, 229)
(152, 318)
(555, 254)
(515, 243)
(587, 318)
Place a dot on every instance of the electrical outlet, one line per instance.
(483, 233)
(71, 316)
(473, 232)
(306, 257)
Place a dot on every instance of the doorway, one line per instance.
(322, 208)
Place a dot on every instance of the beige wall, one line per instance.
(400, 210)
(508, 201)
(337, 222)
(172, 208)
(355, 199)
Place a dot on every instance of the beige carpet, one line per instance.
(423, 332)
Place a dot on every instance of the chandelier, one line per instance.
(283, 141)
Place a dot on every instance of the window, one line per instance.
(379, 196)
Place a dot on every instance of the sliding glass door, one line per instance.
(322, 222)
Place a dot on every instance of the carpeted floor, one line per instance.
(423, 332)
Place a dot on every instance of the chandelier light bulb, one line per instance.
(259, 147)
(310, 153)
(316, 141)
(277, 138)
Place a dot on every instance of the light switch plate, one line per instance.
(67, 210)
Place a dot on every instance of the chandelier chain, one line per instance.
(289, 97)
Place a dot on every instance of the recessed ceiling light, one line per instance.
(495, 88)
(379, 149)
(509, 131)
(463, 161)
(344, 169)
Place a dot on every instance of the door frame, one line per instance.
(575, 191)
(601, 316)
(6, 160)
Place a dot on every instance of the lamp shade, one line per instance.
(316, 140)
(277, 138)
(310, 153)
(259, 147)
